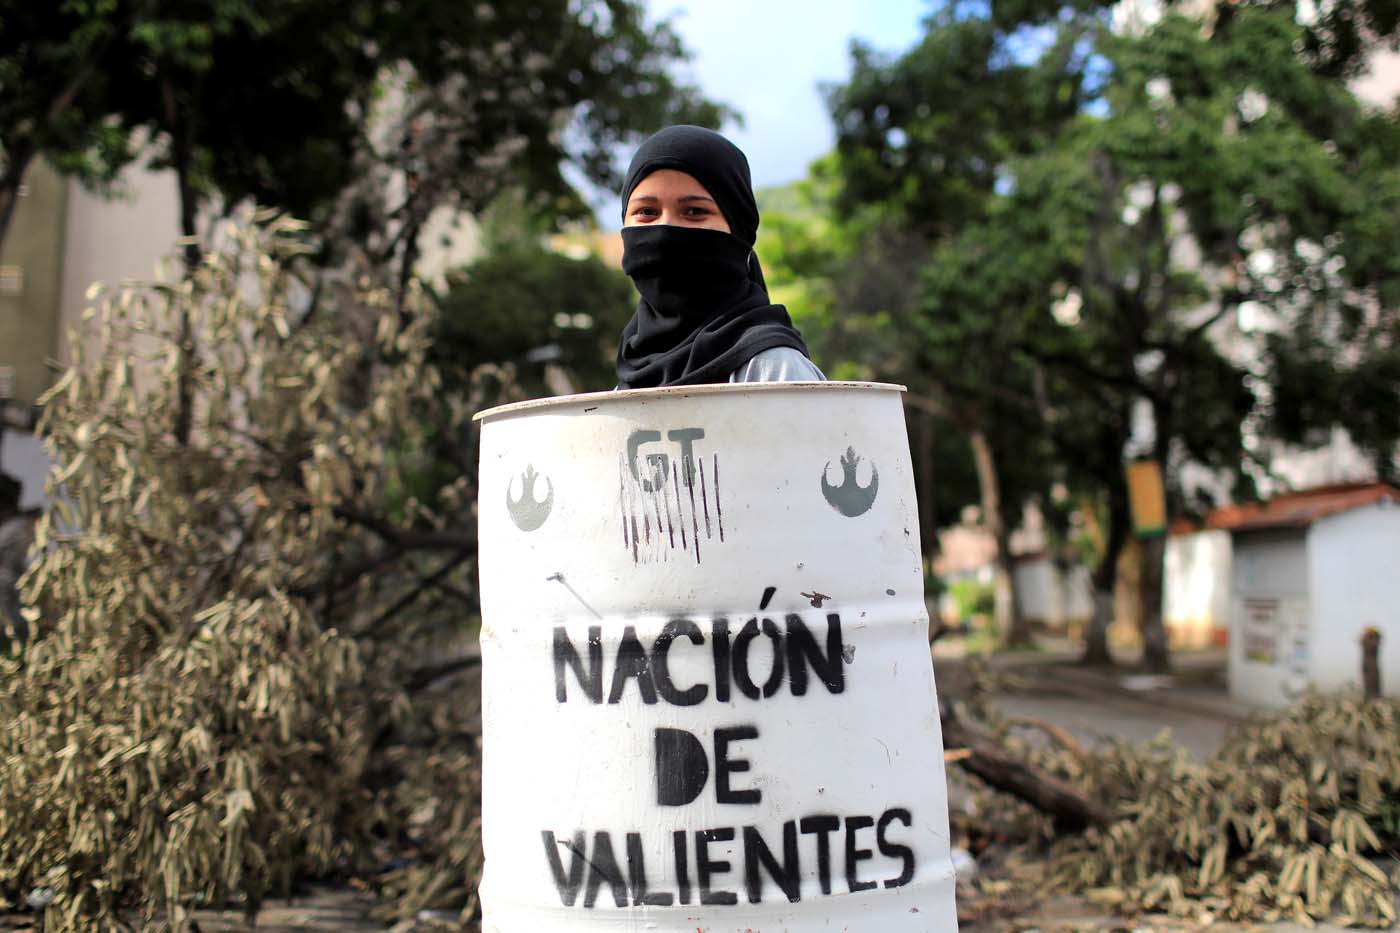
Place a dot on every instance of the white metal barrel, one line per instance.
(708, 702)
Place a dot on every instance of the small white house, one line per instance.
(1057, 599)
(1310, 572)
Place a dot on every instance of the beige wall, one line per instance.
(110, 240)
(64, 238)
(29, 332)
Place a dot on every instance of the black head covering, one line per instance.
(704, 309)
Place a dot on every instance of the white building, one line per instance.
(1311, 572)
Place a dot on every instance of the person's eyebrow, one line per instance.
(651, 198)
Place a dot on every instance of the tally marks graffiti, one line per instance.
(668, 495)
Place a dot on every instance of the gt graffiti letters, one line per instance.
(765, 856)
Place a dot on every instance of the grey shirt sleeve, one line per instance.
(780, 364)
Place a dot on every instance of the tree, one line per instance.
(274, 102)
(921, 142)
(258, 101)
(1226, 162)
(363, 117)
(1338, 363)
(1105, 249)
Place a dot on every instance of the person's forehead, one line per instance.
(669, 180)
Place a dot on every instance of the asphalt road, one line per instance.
(1107, 717)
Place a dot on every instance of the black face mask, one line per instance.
(685, 274)
(703, 311)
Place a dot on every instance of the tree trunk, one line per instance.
(1106, 574)
(1009, 622)
(182, 157)
(1155, 656)
(1072, 811)
(1371, 663)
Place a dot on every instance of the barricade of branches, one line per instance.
(244, 598)
(1293, 819)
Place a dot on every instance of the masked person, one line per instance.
(704, 316)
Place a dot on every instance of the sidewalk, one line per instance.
(1109, 703)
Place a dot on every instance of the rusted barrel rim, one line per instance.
(633, 395)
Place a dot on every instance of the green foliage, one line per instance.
(51, 93)
(798, 245)
(926, 135)
(522, 298)
(973, 597)
(1277, 826)
(256, 101)
(1313, 387)
(850, 286)
(934, 586)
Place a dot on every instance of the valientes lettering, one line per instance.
(842, 849)
(799, 660)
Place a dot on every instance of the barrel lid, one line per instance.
(594, 400)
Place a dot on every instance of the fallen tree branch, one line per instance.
(409, 539)
(429, 674)
(1056, 734)
(1071, 810)
(424, 584)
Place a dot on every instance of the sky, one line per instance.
(767, 58)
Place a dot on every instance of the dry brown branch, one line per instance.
(1060, 736)
(1071, 810)
(374, 627)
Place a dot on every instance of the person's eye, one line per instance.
(643, 211)
(698, 213)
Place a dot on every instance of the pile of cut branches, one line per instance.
(1293, 818)
(244, 625)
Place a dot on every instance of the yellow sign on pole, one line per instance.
(1147, 498)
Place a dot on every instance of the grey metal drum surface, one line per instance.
(708, 702)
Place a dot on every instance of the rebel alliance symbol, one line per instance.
(527, 512)
(851, 498)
